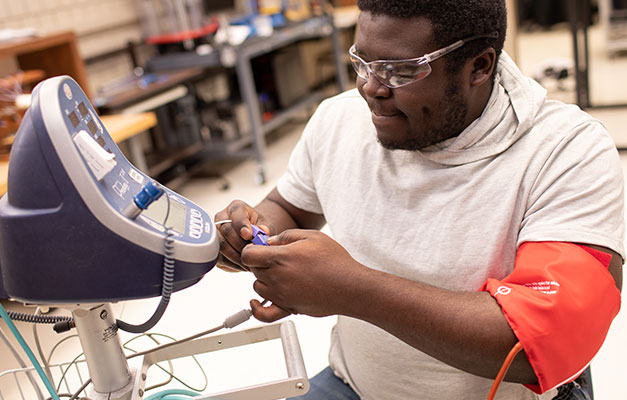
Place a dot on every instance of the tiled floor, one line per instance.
(220, 294)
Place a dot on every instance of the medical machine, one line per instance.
(81, 227)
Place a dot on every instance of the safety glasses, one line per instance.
(398, 73)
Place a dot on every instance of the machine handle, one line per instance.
(291, 350)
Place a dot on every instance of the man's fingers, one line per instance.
(266, 256)
(228, 269)
(269, 313)
(289, 236)
(242, 216)
(254, 256)
(230, 235)
(229, 266)
(228, 256)
(264, 228)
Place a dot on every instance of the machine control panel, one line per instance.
(118, 180)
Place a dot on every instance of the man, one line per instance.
(468, 213)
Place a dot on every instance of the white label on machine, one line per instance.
(99, 160)
(136, 176)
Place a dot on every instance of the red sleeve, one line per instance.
(560, 301)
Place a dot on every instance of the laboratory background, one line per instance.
(209, 97)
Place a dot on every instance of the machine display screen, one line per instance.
(177, 219)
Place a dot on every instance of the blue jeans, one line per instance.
(327, 386)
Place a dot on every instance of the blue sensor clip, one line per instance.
(259, 236)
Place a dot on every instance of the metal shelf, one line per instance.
(239, 58)
(614, 22)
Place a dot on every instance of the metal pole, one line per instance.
(338, 57)
(578, 28)
(249, 95)
(98, 333)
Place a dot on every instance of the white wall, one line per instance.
(101, 26)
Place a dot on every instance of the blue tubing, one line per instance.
(29, 353)
(173, 394)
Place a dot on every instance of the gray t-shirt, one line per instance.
(452, 215)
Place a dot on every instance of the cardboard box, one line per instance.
(288, 72)
(317, 61)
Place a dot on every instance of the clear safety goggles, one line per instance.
(397, 73)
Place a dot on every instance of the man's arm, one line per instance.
(286, 216)
(466, 330)
(475, 336)
(307, 272)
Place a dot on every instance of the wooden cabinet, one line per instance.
(54, 54)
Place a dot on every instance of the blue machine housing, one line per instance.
(53, 249)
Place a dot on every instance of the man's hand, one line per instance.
(234, 235)
(302, 272)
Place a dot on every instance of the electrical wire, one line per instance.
(22, 364)
(187, 339)
(80, 389)
(504, 368)
(29, 353)
(167, 285)
(54, 348)
(172, 376)
(43, 358)
(170, 373)
(230, 322)
(38, 319)
(65, 371)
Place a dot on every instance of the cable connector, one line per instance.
(238, 318)
(146, 196)
(64, 326)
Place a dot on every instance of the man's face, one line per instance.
(422, 113)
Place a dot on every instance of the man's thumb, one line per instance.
(287, 237)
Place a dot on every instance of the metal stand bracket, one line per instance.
(296, 384)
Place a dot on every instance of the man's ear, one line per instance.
(482, 67)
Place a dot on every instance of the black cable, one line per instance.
(167, 285)
(37, 319)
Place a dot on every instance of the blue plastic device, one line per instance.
(260, 238)
(64, 236)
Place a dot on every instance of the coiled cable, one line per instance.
(167, 285)
(37, 319)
